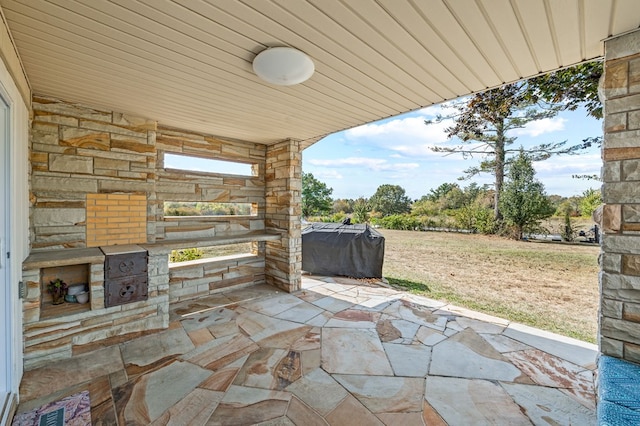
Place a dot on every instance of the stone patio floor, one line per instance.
(339, 352)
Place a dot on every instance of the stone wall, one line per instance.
(620, 260)
(199, 278)
(75, 151)
(180, 185)
(51, 333)
(284, 202)
(86, 162)
(78, 151)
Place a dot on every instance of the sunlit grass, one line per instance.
(548, 286)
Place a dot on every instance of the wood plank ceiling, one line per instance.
(187, 63)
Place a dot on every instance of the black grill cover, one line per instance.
(349, 250)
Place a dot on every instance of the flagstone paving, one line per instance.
(339, 352)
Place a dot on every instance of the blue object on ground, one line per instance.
(618, 392)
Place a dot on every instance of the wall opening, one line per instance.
(183, 208)
(211, 253)
(207, 165)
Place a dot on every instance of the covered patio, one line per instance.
(341, 352)
(95, 96)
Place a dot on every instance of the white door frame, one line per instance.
(8, 290)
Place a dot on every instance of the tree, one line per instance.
(390, 199)
(524, 203)
(440, 191)
(485, 120)
(571, 87)
(591, 199)
(487, 117)
(343, 205)
(316, 196)
(361, 210)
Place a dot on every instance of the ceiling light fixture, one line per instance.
(284, 66)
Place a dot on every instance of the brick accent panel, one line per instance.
(620, 260)
(114, 219)
(283, 192)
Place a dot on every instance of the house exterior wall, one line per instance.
(620, 259)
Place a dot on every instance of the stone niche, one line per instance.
(72, 275)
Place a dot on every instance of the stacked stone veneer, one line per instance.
(198, 278)
(284, 203)
(51, 338)
(76, 151)
(180, 185)
(83, 158)
(620, 276)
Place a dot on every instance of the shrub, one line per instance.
(185, 255)
(403, 222)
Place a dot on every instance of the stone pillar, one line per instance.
(283, 177)
(620, 262)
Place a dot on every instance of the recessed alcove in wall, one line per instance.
(70, 274)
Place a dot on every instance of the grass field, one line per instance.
(549, 286)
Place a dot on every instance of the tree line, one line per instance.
(450, 206)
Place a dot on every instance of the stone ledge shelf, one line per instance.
(218, 240)
(64, 257)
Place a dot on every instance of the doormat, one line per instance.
(74, 410)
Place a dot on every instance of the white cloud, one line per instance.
(408, 136)
(328, 174)
(573, 164)
(373, 164)
(539, 127)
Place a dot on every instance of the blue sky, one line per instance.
(397, 151)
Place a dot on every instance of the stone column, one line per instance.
(283, 177)
(620, 261)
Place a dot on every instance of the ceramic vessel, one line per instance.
(82, 297)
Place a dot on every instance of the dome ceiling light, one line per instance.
(284, 66)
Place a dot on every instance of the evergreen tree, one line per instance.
(523, 202)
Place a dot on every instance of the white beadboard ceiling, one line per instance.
(187, 63)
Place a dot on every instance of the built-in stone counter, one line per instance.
(51, 332)
(203, 277)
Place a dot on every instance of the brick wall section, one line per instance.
(620, 260)
(77, 150)
(114, 219)
(283, 195)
